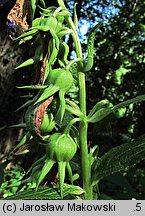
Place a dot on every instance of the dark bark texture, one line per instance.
(10, 56)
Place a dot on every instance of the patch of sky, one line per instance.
(106, 13)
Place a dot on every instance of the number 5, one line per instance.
(138, 206)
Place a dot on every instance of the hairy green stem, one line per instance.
(83, 126)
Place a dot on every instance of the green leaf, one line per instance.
(23, 141)
(73, 111)
(26, 63)
(33, 5)
(47, 193)
(43, 3)
(51, 22)
(64, 13)
(64, 31)
(61, 109)
(28, 33)
(128, 102)
(104, 112)
(120, 158)
(52, 56)
(99, 105)
(22, 152)
(25, 39)
(61, 175)
(69, 170)
(52, 51)
(36, 22)
(36, 162)
(38, 52)
(45, 170)
(33, 87)
(75, 16)
(44, 24)
(90, 47)
(57, 41)
(47, 93)
(28, 103)
(40, 28)
(99, 115)
(48, 11)
(63, 54)
(72, 107)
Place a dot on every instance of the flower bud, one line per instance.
(61, 147)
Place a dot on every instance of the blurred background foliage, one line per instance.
(118, 74)
(119, 63)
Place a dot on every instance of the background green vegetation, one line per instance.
(118, 74)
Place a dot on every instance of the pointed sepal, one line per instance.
(45, 170)
(26, 63)
(52, 89)
(61, 176)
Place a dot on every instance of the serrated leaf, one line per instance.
(128, 102)
(120, 158)
(104, 112)
(47, 193)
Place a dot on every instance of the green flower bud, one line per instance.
(47, 123)
(61, 78)
(61, 147)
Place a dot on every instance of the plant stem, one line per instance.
(83, 130)
(83, 125)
